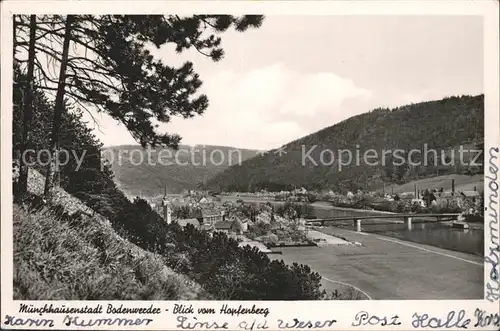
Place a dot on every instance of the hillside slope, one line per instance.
(442, 124)
(73, 253)
(462, 183)
(177, 171)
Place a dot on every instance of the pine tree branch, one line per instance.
(106, 73)
(48, 51)
(44, 74)
(76, 77)
(48, 32)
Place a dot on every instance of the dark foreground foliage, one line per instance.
(224, 270)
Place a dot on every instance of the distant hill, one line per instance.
(184, 169)
(442, 125)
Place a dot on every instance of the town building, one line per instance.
(470, 195)
(193, 221)
(204, 200)
(471, 202)
(224, 226)
(406, 196)
(210, 215)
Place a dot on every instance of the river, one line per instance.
(441, 235)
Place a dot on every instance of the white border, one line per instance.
(342, 311)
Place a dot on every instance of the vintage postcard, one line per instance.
(250, 165)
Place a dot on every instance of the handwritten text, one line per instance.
(78, 321)
(15, 321)
(484, 319)
(298, 324)
(492, 257)
(452, 320)
(185, 323)
(363, 318)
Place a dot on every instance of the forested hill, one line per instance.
(441, 124)
(187, 168)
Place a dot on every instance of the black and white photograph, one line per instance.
(249, 157)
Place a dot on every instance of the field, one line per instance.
(462, 183)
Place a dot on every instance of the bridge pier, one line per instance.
(408, 223)
(357, 223)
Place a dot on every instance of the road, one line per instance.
(386, 268)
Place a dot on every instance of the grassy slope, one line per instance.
(61, 258)
(149, 180)
(462, 183)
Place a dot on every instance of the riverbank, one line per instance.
(325, 204)
(346, 211)
(317, 204)
(323, 239)
(424, 230)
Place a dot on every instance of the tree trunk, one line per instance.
(27, 112)
(53, 166)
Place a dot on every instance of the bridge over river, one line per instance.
(384, 219)
(429, 260)
(430, 229)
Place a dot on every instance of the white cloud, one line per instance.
(262, 108)
(268, 107)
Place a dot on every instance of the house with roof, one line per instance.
(241, 225)
(204, 200)
(299, 191)
(406, 196)
(429, 198)
(183, 222)
(388, 197)
(264, 217)
(472, 195)
(409, 198)
(207, 227)
(224, 226)
(206, 215)
(449, 199)
(177, 201)
(471, 201)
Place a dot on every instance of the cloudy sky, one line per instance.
(297, 75)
